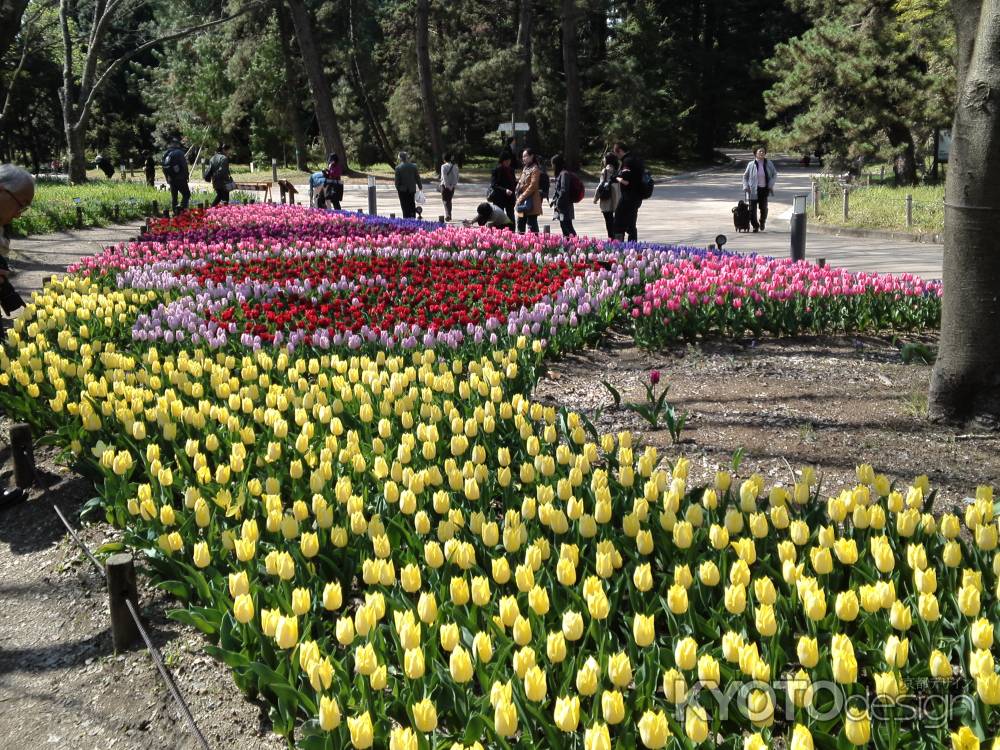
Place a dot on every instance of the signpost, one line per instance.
(512, 128)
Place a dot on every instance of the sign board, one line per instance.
(943, 145)
(519, 127)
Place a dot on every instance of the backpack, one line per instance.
(576, 187)
(543, 185)
(647, 185)
(171, 167)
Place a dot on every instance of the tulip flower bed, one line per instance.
(382, 535)
(732, 296)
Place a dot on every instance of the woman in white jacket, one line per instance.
(758, 183)
(608, 192)
(449, 181)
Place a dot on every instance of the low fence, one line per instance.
(877, 207)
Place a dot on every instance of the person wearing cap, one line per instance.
(175, 170)
(218, 172)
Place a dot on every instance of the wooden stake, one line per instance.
(122, 587)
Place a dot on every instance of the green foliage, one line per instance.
(867, 79)
(54, 207)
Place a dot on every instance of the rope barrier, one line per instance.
(153, 651)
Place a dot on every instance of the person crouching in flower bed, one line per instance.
(488, 215)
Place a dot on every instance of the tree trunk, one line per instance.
(358, 80)
(77, 155)
(293, 83)
(707, 86)
(422, 20)
(571, 68)
(326, 117)
(965, 383)
(11, 13)
(904, 166)
(523, 96)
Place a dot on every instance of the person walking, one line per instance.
(528, 199)
(149, 166)
(503, 183)
(175, 170)
(217, 170)
(333, 186)
(629, 179)
(449, 181)
(564, 195)
(608, 192)
(758, 183)
(408, 182)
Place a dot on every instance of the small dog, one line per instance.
(741, 217)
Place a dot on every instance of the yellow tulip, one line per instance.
(424, 715)
(361, 730)
(964, 739)
(566, 713)
(801, 738)
(685, 653)
(643, 630)
(243, 609)
(286, 633)
(413, 663)
(505, 718)
(365, 660)
(588, 676)
(674, 686)
(612, 707)
(620, 669)
(939, 665)
(329, 714)
(653, 729)
(460, 665)
(301, 601)
(597, 737)
(808, 652)
(677, 599)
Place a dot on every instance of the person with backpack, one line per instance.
(608, 192)
(503, 183)
(635, 185)
(217, 171)
(175, 170)
(408, 182)
(528, 197)
(569, 190)
(758, 183)
(449, 181)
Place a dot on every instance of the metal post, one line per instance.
(22, 451)
(156, 208)
(821, 262)
(372, 199)
(798, 227)
(440, 219)
(274, 170)
(122, 588)
(847, 203)
(881, 174)
(815, 198)
(392, 216)
(547, 229)
(909, 210)
(79, 217)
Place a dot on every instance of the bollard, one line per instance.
(372, 200)
(156, 208)
(881, 173)
(909, 210)
(547, 229)
(166, 213)
(847, 203)
(46, 280)
(79, 217)
(392, 216)
(440, 219)
(798, 227)
(22, 451)
(360, 211)
(821, 262)
(122, 588)
(116, 213)
(274, 170)
(815, 198)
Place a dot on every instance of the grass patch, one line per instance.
(54, 207)
(884, 207)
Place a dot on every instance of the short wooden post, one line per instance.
(881, 173)
(547, 229)
(156, 208)
(815, 197)
(909, 210)
(79, 217)
(116, 212)
(122, 588)
(847, 203)
(274, 170)
(392, 216)
(360, 211)
(821, 262)
(22, 451)
(440, 219)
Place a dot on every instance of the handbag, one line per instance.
(523, 207)
(419, 198)
(230, 187)
(604, 190)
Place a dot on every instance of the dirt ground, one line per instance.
(831, 402)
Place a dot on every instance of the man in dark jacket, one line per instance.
(630, 179)
(149, 166)
(217, 170)
(175, 170)
(407, 184)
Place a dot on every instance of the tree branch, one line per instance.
(26, 33)
(88, 99)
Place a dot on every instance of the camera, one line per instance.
(10, 300)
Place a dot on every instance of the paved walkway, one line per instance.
(686, 210)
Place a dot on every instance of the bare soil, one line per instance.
(830, 402)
